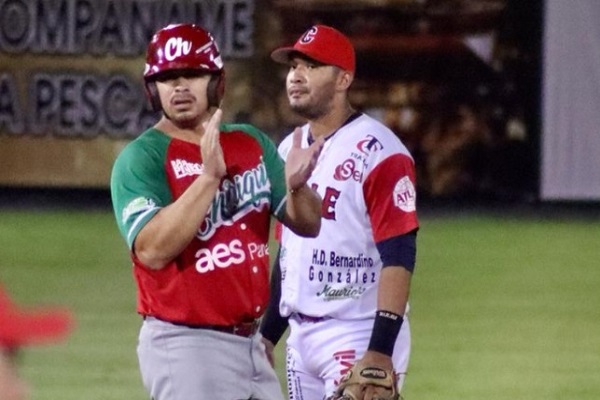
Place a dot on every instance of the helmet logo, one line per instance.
(177, 47)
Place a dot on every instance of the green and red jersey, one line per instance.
(222, 276)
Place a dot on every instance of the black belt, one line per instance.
(309, 318)
(244, 329)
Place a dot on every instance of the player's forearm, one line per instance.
(168, 233)
(393, 291)
(303, 212)
(392, 298)
(273, 325)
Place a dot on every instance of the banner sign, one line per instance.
(72, 69)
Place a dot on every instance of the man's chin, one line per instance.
(300, 109)
(305, 112)
(184, 119)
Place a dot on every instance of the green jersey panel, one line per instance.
(139, 184)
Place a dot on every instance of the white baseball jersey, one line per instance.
(366, 178)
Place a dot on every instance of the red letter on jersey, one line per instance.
(329, 201)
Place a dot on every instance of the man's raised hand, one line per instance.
(213, 160)
(300, 162)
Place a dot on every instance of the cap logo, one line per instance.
(309, 35)
(177, 47)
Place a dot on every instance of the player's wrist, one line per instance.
(385, 332)
(296, 190)
(210, 179)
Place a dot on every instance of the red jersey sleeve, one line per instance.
(390, 197)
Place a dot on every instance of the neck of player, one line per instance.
(329, 123)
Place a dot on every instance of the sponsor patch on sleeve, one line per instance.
(137, 205)
(405, 195)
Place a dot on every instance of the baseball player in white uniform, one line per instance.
(345, 292)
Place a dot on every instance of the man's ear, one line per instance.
(345, 79)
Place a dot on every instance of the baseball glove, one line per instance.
(355, 382)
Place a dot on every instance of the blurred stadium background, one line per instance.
(497, 100)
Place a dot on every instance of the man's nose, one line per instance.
(297, 74)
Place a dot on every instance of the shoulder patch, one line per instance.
(405, 195)
(137, 205)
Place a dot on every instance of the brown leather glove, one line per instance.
(355, 382)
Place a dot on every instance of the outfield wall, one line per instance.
(570, 167)
(71, 93)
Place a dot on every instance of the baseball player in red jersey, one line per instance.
(193, 199)
(345, 292)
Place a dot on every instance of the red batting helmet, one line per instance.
(184, 47)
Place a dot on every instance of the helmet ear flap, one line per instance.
(216, 89)
(153, 96)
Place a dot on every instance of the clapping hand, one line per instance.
(210, 147)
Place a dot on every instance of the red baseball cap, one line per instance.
(323, 44)
(20, 327)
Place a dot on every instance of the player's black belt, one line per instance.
(309, 318)
(244, 329)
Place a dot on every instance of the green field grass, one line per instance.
(500, 307)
